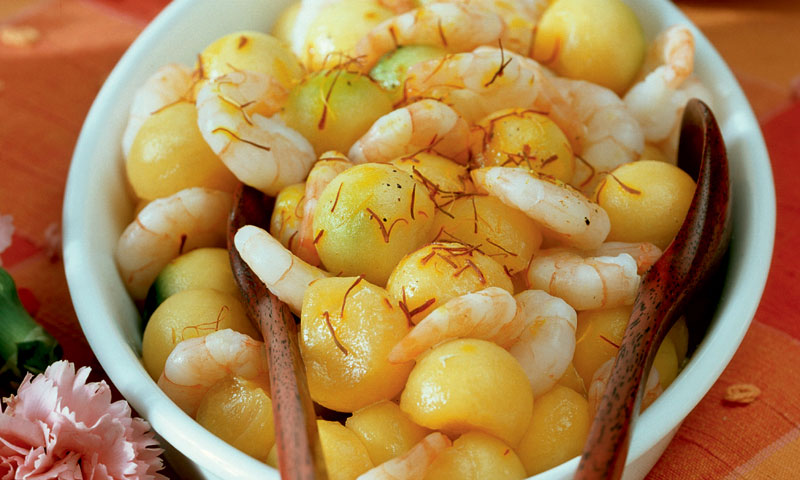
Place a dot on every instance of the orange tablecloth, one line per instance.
(50, 73)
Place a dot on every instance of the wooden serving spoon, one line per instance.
(299, 450)
(688, 262)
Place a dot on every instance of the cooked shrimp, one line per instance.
(665, 85)
(398, 6)
(306, 15)
(165, 228)
(458, 27)
(586, 283)
(412, 465)
(421, 126)
(310, 9)
(282, 272)
(170, 84)
(566, 213)
(489, 79)
(519, 16)
(196, 364)
(613, 136)
(535, 8)
(537, 328)
(597, 386)
(487, 314)
(545, 348)
(645, 253)
(322, 173)
(260, 151)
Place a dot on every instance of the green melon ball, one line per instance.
(199, 268)
(334, 108)
(392, 69)
(368, 218)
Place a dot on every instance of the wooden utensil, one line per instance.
(688, 262)
(299, 449)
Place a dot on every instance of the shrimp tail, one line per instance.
(486, 314)
(414, 464)
(286, 275)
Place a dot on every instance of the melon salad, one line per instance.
(467, 194)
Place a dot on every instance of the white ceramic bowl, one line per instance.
(97, 207)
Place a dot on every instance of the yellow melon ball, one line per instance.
(368, 218)
(442, 177)
(557, 431)
(334, 108)
(466, 385)
(347, 329)
(337, 28)
(527, 139)
(169, 154)
(199, 268)
(251, 51)
(239, 411)
(345, 456)
(651, 152)
(272, 457)
(679, 334)
(385, 430)
(598, 336)
(646, 201)
(282, 30)
(432, 275)
(189, 314)
(571, 379)
(502, 232)
(477, 456)
(596, 40)
(287, 214)
(666, 362)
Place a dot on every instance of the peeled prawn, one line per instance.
(329, 165)
(167, 227)
(520, 18)
(169, 84)
(458, 27)
(310, 9)
(284, 274)
(665, 85)
(566, 213)
(488, 314)
(597, 386)
(196, 364)
(423, 125)
(546, 345)
(613, 136)
(489, 79)
(537, 328)
(307, 13)
(398, 6)
(586, 283)
(260, 151)
(412, 465)
(645, 253)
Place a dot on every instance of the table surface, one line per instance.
(55, 54)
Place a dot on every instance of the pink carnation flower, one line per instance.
(58, 426)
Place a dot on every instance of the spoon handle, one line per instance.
(691, 258)
(610, 432)
(299, 449)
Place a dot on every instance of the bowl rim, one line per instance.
(87, 266)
